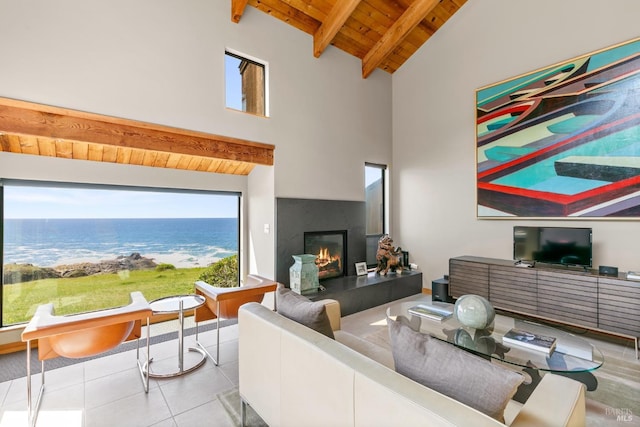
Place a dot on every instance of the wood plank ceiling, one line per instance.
(382, 33)
(42, 130)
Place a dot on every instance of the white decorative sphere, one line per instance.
(474, 311)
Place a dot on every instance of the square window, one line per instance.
(245, 81)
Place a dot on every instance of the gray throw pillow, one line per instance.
(302, 310)
(451, 371)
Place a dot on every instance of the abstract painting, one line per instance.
(562, 141)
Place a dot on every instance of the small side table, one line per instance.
(178, 304)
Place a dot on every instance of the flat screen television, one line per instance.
(553, 245)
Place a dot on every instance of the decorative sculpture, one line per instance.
(474, 311)
(388, 256)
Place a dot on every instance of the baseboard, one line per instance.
(13, 347)
(426, 291)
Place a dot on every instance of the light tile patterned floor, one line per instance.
(108, 392)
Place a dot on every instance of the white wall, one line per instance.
(434, 123)
(162, 61)
(261, 242)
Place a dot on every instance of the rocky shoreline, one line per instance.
(18, 273)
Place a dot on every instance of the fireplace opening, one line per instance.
(330, 249)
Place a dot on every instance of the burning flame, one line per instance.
(325, 258)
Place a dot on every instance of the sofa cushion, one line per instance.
(451, 371)
(302, 310)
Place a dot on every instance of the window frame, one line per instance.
(384, 188)
(116, 187)
(265, 67)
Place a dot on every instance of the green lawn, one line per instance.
(19, 301)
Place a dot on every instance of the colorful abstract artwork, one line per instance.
(563, 141)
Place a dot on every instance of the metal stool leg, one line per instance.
(31, 410)
(142, 368)
(243, 412)
(216, 359)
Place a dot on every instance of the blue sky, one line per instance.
(44, 202)
(233, 82)
(371, 174)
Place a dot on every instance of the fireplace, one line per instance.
(330, 249)
(294, 217)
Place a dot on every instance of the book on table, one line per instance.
(431, 312)
(530, 340)
(633, 275)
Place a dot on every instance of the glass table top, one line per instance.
(171, 304)
(572, 353)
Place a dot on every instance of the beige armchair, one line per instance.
(223, 303)
(84, 335)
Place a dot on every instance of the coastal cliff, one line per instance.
(19, 273)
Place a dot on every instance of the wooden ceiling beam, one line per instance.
(364, 28)
(316, 9)
(287, 13)
(411, 17)
(237, 9)
(331, 25)
(37, 120)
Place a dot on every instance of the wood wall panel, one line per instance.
(468, 278)
(573, 298)
(619, 308)
(513, 288)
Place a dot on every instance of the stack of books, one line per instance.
(530, 340)
(431, 312)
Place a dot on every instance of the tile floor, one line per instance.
(108, 391)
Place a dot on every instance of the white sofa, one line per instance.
(294, 376)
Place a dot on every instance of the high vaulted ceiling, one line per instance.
(382, 33)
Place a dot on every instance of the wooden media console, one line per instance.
(573, 297)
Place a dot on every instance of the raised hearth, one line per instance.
(357, 293)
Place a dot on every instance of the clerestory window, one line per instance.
(246, 85)
(375, 198)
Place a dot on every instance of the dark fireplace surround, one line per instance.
(329, 218)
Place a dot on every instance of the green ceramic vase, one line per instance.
(303, 274)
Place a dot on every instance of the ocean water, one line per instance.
(183, 242)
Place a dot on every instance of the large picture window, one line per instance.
(85, 248)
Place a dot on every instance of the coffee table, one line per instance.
(178, 304)
(573, 354)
